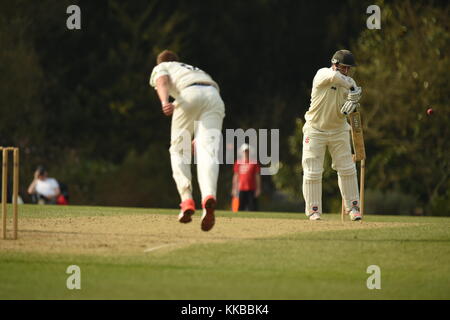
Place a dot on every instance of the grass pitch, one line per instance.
(128, 253)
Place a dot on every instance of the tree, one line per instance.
(403, 69)
(22, 116)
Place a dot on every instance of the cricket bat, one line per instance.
(359, 151)
(357, 136)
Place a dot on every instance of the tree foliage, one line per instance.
(404, 72)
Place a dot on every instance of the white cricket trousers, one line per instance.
(315, 143)
(199, 115)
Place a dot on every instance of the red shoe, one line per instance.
(187, 210)
(208, 218)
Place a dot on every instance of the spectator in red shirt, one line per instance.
(246, 181)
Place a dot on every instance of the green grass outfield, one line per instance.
(414, 258)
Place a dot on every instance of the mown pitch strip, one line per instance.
(140, 234)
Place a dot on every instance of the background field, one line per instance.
(127, 253)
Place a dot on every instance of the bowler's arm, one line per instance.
(162, 87)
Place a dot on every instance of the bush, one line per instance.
(392, 202)
(142, 180)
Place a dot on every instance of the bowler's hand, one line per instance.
(257, 193)
(167, 108)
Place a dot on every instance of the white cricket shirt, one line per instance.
(329, 92)
(181, 76)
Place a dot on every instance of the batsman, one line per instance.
(334, 96)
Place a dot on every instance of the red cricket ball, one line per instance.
(430, 111)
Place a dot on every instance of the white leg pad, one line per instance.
(348, 184)
(312, 192)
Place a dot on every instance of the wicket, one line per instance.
(15, 193)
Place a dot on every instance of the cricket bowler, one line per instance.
(334, 95)
(197, 115)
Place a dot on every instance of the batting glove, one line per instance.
(355, 94)
(348, 107)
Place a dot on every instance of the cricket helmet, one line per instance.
(344, 57)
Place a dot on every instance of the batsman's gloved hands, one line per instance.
(348, 107)
(355, 94)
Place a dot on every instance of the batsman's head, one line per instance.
(167, 56)
(343, 60)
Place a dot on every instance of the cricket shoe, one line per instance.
(355, 215)
(187, 210)
(315, 216)
(208, 218)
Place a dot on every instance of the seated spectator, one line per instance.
(44, 190)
